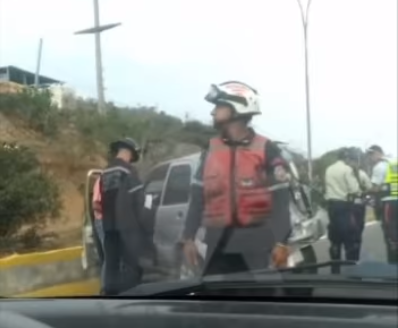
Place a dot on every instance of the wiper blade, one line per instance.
(326, 264)
(278, 278)
(348, 270)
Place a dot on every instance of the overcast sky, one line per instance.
(167, 52)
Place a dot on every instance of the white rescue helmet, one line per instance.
(243, 98)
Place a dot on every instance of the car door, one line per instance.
(92, 250)
(171, 214)
(154, 184)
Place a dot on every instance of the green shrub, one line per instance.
(27, 194)
(35, 107)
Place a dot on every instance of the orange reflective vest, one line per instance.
(235, 184)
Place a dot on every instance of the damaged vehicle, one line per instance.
(167, 188)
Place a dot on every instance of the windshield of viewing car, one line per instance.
(166, 142)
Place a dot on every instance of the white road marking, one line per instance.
(367, 224)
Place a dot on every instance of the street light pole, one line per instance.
(97, 30)
(304, 19)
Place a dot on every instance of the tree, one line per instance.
(27, 195)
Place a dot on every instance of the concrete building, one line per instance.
(20, 76)
(63, 96)
(14, 79)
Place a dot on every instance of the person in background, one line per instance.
(122, 202)
(359, 200)
(385, 188)
(376, 158)
(97, 211)
(247, 224)
(341, 185)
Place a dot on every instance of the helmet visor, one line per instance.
(217, 96)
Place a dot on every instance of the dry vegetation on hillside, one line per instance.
(69, 143)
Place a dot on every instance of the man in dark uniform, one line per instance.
(358, 200)
(247, 222)
(122, 202)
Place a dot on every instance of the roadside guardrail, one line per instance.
(51, 272)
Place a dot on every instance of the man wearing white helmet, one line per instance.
(247, 221)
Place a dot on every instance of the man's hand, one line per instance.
(280, 255)
(191, 253)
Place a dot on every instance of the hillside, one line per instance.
(67, 161)
(67, 169)
(79, 143)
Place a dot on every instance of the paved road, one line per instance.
(373, 247)
(373, 250)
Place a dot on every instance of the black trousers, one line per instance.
(359, 213)
(225, 263)
(343, 232)
(121, 269)
(390, 229)
(218, 262)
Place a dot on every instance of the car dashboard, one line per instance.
(151, 313)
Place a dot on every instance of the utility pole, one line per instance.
(304, 19)
(96, 30)
(98, 60)
(38, 65)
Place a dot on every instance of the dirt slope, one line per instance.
(66, 160)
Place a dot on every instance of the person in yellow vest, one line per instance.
(385, 186)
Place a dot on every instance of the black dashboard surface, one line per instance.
(118, 313)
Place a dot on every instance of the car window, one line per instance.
(155, 180)
(178, 184)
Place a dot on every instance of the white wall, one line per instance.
(62, 95)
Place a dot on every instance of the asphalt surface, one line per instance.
(373, 247)
(373, 250)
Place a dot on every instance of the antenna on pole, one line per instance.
(37, 75)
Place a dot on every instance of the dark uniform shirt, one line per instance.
(122, 197)
(275, 229)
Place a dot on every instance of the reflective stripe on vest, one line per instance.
(235, 184)
(391, 179)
